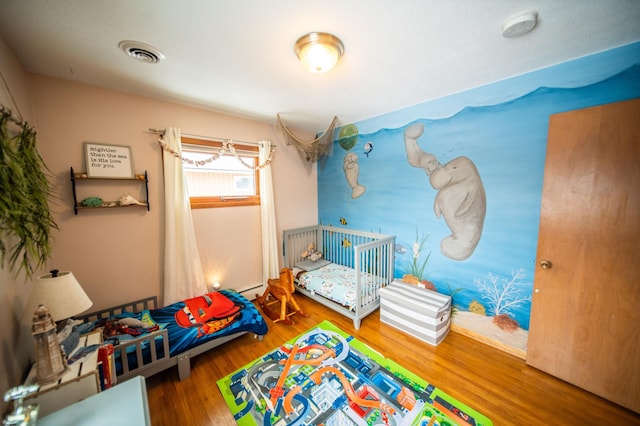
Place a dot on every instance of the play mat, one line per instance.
(327, 377)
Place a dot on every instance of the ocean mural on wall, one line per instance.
(462, 194)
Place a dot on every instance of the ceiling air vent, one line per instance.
(141, 51)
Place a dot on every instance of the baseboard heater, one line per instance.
(250, 293)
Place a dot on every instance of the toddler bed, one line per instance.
(148, 339)
(354, 266)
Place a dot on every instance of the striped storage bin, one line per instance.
(422, 313)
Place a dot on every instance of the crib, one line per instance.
(354, 266)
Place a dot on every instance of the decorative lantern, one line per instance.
(50, 362)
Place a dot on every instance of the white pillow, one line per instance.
(131, 322)
(309, 265)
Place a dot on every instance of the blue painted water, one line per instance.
(507, 144)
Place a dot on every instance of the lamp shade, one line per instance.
(61, 293)
(318, 52)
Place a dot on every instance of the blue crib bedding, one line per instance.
(193, 322)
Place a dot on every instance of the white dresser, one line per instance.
(125, 404)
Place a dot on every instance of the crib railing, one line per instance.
(338, 245)
(296, 241)
(375, 260)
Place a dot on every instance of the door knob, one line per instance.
(545, 264)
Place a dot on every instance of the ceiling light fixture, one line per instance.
(519, 25)
(141, 51)
(318, 52)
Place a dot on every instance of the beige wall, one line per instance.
(117, 254)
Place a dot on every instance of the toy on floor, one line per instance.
(282, 290)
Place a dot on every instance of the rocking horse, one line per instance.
(282, 290)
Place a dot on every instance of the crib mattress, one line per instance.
(335, 282)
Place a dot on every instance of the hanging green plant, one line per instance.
(26, 224)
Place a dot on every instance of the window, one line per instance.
(223, 181)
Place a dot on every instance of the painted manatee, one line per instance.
(462, 201)
(351, 172)
(461, 198)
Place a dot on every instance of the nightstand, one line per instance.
(125, 404)
(79, 382)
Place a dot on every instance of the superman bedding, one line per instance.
(189, 323)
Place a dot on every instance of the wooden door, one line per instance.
(585, 316)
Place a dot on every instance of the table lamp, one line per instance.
(56, 296)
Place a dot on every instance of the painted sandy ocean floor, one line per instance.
(484, 326)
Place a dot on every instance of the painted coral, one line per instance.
(506, 323)
(504, 294)
(477, 308)
(412, 279)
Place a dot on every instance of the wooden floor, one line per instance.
(499, 385)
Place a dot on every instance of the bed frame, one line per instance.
(365, 252)
(159, 361)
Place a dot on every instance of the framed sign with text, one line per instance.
(108, 161)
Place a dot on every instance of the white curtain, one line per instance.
(268, 218)
(183, 275)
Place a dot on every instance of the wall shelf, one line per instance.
(77, 178)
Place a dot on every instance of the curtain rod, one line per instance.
(208, 138)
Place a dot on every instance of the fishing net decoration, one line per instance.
(313, 150)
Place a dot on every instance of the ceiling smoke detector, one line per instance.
(141, 51)
(519, 25)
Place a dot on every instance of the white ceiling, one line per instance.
(237, 56)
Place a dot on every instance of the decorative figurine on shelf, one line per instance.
(91, 202)
(51, 363)
(128, 200)
(282, 290)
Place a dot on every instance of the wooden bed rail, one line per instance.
(139, 344)
(135, 306)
